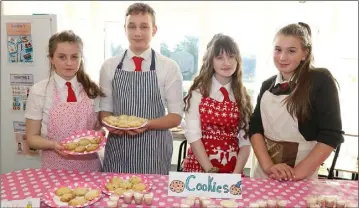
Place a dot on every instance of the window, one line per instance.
(178, 38)
(185, 28)
(115, 39)
(185, 53)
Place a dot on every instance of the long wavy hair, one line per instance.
(298, 102)
(91, 88)
(223, 44)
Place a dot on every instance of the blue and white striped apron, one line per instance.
(138, 94)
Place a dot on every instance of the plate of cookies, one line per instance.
(82, 143)
(120, 184)
(125, 122)
(79, 194)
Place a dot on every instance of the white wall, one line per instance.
(252, 24)
(41, 29)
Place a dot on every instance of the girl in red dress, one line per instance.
(218, 109)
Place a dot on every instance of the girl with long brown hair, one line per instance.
(65, 103)
(218, 109)
(296, 123)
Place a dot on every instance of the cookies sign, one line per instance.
(205, 184)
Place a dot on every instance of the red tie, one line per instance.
(138, 63)
(70, 93)
(225, 94)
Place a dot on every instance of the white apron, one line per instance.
(285, 144)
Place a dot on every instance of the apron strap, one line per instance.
(153, 62)
(119, 66)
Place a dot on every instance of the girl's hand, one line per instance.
(300, 173)
(58, 148)
(281, 172)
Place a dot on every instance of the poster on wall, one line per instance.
(20, 84)
(22, 147)
(19, 43)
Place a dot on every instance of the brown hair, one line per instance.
(298, 102)
(91, 88)
(222, 43)
(142, 8)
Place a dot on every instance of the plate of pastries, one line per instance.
(118, 184)
(87, 142)
(80, 194)
(125, 122)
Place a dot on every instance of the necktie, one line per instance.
(225, 94)
(281, 89)
(71, 97)
(138, 63)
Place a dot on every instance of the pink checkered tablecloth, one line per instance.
(33, 183)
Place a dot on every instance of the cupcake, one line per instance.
(262, 203)
(189, 202)
(127, 197)
(148, 198)
(330, 201)
(185, 206)
(194, 199)
(138, 198)
(340, 203)
(352, 204)
(228, 204)
(311, 200)
(316, 206)
(282, 203)
(191, 197)
(205, 203)
(114, 197)
(321, 200)
(271, 203)
(201, 199)
(111, 203)
(254, 205)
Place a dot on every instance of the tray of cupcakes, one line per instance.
(127, 188)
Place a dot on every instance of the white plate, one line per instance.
(130, 128)
(85, 134)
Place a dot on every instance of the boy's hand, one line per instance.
(133, 132)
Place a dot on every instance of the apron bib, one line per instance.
(220, 128)
(285, 144)
(65, 119)
(138, 94)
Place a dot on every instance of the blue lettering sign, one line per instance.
(204, 187)
(210, 186)
(226, 190)
(219, 189)
(187, 182)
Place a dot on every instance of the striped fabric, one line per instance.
(138, 94)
